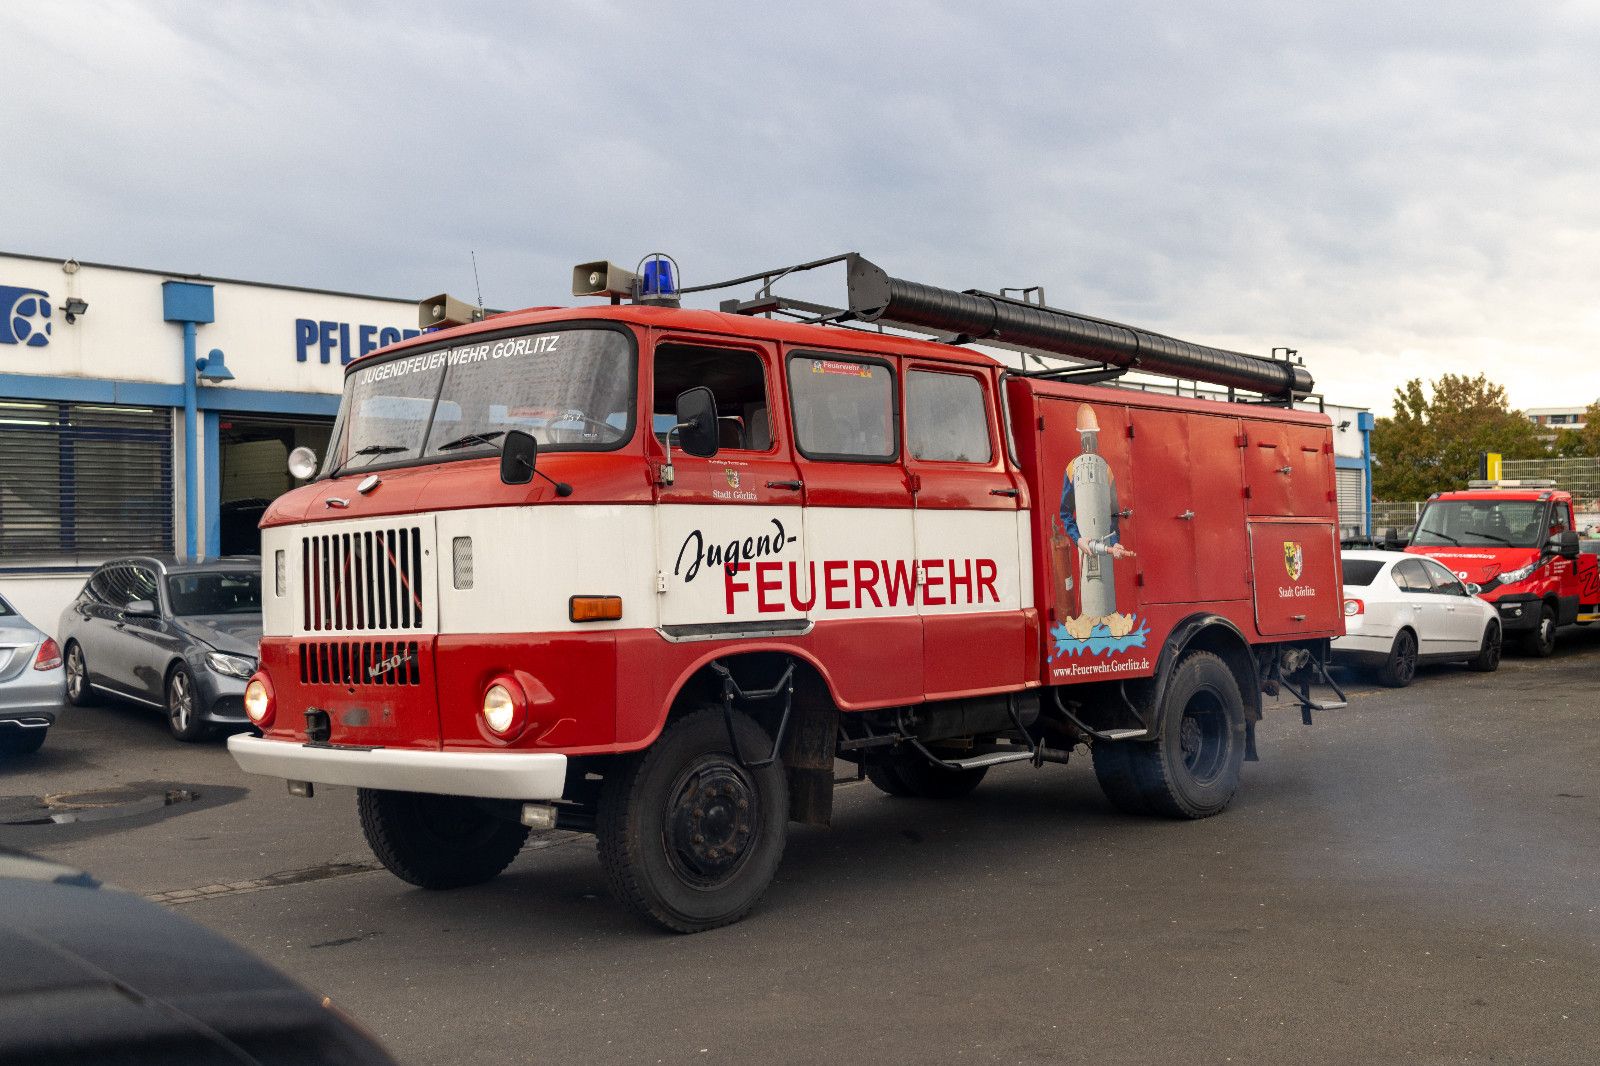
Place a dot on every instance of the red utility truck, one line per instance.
(1516, 542)
(648, 572)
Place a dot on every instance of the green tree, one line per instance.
(1585, 441)
(1432, 444)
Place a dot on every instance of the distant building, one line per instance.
(1558, 417)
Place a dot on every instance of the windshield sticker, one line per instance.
(832, 366)
(541, 344)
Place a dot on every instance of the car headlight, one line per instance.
(231, 665)
(1520, 574)
(505, 708)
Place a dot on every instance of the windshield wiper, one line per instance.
(469, 440)
(1435, 533)
(370, 451)
(1496, 539)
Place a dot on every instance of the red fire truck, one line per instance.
(1515, 543)
(648, 572)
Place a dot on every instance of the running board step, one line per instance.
(994, 758)
(1328, 705)
(1120, 734)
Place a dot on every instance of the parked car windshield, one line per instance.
(215, 592)
(572, 389)
(1505, 523)
(1361, 571)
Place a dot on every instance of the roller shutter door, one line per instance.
(1351, 485)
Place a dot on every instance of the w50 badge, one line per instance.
(24, 316)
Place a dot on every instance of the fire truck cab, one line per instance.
(648, 572)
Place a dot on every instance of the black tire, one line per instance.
(883, 774)
(84, 694)
(1192, 770)
(1541, 641)
(1487, 661)
(437, 842)
(667, 814)
(908, 774)
(1113, 768)
(183, 707)
(21, 741)
(1398, 670)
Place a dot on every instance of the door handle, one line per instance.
(1187, 516)
(792, 486)
(1005, 492)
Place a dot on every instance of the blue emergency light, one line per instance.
(657, 279)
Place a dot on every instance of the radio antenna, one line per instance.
(475, 282)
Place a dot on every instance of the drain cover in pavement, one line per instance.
(91, 805)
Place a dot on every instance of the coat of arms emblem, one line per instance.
(1293, 559)
(733, 477)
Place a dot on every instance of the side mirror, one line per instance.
(697, 422)
(141, 609)
(1391, 539)
(518, 454)
(1564, 544)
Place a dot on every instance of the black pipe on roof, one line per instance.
(875, 296)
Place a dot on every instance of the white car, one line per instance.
(1401, 609)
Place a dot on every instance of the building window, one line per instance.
(80, 482)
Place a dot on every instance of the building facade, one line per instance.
(122, 428)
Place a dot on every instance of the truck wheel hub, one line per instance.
(711, 821)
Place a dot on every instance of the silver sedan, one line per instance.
(31, 683)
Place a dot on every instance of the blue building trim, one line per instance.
(89, 390)
(260, 401)
(1364, 422)
(213, 453)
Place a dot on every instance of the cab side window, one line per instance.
(947, 419)
(738, 380)
(844, 409)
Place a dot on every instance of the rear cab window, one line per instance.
(843, 407)
(947, 418)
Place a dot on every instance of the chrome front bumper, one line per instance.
(486, 774)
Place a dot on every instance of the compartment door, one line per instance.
(1298, 585)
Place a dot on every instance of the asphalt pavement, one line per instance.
(1411, 879)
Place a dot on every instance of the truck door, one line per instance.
(860, 548)
(729, 530)
(966, 522)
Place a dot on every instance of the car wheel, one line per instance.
(1488, 658)
(1401, 666)
(1541, 643)
(183, 707)
(79, 694)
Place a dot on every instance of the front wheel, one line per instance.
(1192, 770)
(690, 838)
(183, 707)
(1401, 666)
(1541, 642)
(1488, 658)
(437, 841)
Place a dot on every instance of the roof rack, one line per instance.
(1106, 349)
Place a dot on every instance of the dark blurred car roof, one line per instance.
(172, 565)
(96, 975)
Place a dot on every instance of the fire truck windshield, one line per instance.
(1503, 523)
(571, 389)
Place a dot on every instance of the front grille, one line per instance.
(369, 579)
(360, 662)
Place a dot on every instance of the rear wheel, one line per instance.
(1541, 642)
(183, 707)
(1192, 770)
(437, 841)
(1488, 658)
(1401, 666)
(79, 694)
(21, 741)
(689, 838)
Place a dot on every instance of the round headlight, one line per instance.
(257, 701)
(303, 463)
(499, 710)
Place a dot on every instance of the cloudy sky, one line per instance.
(1395, 190)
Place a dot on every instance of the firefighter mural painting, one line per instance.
(1090, 520)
